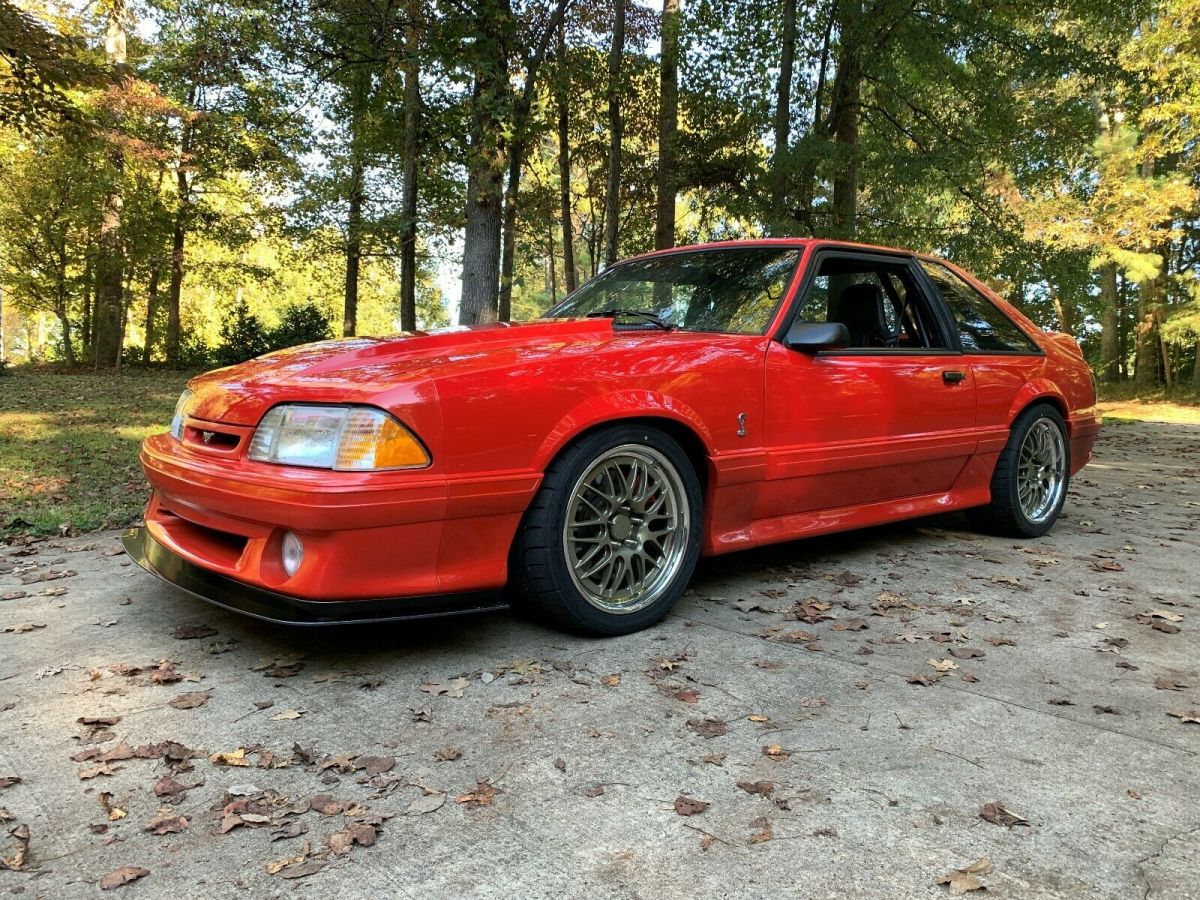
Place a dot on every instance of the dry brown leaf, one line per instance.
(1191, 717)
(1163, 683)
(687, 806)
(763, 833)
(997, 814)
(960, 881)
(483, 795)
(190, 700)
(707, 728)
(452, 688)
(447, 754)
(122, 876)
(610, 680)
(167, 822)
(230, 758)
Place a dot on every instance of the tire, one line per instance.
(1017, 509)
(628, 494)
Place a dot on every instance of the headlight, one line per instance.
(180, 412)
(336, 437)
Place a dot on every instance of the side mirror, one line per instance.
(809, 337)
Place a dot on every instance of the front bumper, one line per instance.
(237, 596)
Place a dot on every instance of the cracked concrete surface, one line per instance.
(878, 783)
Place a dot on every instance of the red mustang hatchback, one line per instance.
(693, 401)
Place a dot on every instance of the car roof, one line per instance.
(797, 242)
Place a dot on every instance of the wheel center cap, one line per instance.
(621, 527)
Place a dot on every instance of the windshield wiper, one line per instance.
(643, 314)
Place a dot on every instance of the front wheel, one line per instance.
(1030, 483)
(612, 537)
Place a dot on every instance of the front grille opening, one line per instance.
(220, 547)
(217, 440)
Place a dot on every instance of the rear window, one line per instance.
(982, 327)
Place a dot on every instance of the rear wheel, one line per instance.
(612, 537)
(1030, 483)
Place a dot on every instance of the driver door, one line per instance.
(890, 417)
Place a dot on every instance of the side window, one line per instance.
(982, 327)
(877, 300)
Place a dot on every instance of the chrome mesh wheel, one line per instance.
(626, 529)
(1041, 471)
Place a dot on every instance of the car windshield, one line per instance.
(735, 290)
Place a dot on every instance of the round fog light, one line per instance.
(293, 553)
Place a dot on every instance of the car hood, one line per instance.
(359, 370)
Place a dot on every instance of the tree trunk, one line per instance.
(85, 322)
(846, 91)
(408, 213)
(490, 105)
(612, 196)
(508, 251)
(668, 124)
(570, 276)
(1110, 326)
(551, 274)
(820, 131)
(783, 119)
(354, 225)
(178, 239)
(151, 310)
(1196, 368)
(1145, 337)
(516, 160)
(110, 264)
(1064, 312)
(60, 310)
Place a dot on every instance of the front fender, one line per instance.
(614, 407)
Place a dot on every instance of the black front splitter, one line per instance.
(249, 600)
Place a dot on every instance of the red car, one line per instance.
(693, 401)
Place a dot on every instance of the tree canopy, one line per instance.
(175, 173)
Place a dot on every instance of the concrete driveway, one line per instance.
(859, 715)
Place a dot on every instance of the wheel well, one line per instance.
(690, 442)
(1045, 400)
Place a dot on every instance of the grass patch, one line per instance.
(69, 445)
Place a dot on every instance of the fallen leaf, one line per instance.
(193, 632)
(596, 790)
(610, 680)
(966, 652)
(707, 728)
(850, 625)
(1163, 683)
(168, 787)
(942, 665)
(190, 700)
(960, 881)
(312, 867)
(767, 664)
(452, 688)
(101, 769)
(447, 754)
(714, 759)
(375, 765)
(121, 876)
(483, 795)
(1191, 717)
(775, 752)
(167, 822)
(763, 833)
(686, 806)
(997, 814)
(230, 758)
(428, 802)
(20, 833)
(328, 806)
(687, 696)
(762, 788)
(286, 715)
(22, 627)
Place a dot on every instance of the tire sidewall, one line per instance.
(1021, 429)
(573, 465)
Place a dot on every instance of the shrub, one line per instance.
(301, 323)
(243, 337)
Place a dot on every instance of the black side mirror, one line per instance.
(809, 337)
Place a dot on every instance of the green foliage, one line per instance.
(243, 337)
(300, 323)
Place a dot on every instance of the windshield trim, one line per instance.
(783, 245)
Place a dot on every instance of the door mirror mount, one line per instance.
(809, 337)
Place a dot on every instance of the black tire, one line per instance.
(540, 562)
(1004, 514)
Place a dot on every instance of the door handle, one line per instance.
(953, 377)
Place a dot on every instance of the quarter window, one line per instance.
(982, 327)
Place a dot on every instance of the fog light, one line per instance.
(293, 553)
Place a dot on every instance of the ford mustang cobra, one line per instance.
(693, 401)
